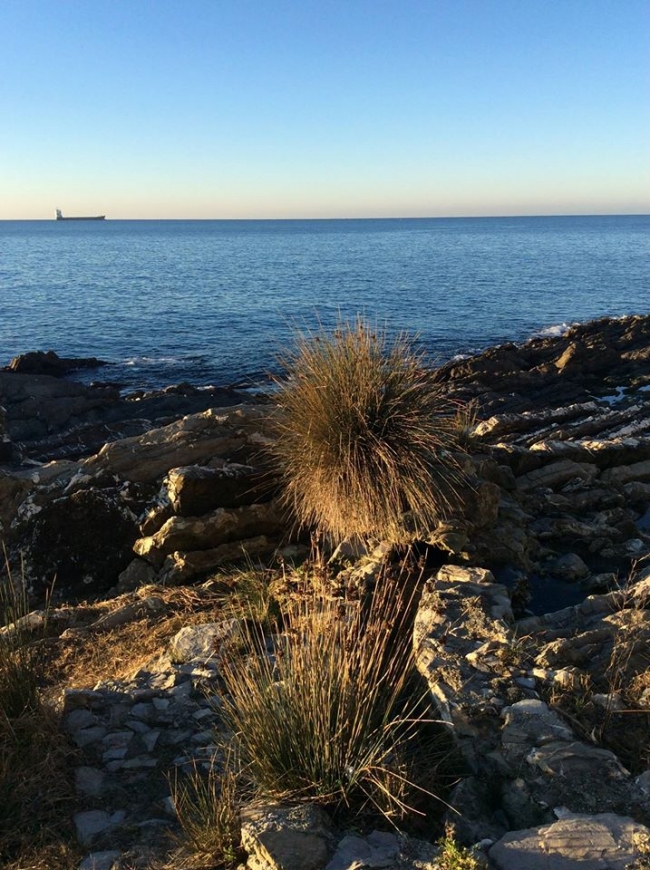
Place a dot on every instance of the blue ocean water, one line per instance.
(215, 302)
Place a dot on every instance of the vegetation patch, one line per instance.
(324, 711)
(364, 435)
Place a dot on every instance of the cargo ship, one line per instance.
(94, 217)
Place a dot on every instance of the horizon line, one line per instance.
(360, 218)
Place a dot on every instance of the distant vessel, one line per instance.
(95, 217)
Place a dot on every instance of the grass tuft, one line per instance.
(364, 435)
(324, 715)
(207, 808)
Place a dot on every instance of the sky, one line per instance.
(324, 108)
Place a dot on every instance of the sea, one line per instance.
(220, 302)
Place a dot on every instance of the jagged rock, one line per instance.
(277, 837)
(221, 526)
(601, 842)
(555, 474)
(201, 643)
(137, 573)
(191, 440)
(195, 490)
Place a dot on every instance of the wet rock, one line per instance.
(49, 363)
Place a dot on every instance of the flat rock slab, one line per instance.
(602, 842)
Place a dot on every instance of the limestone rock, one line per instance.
(180, 567)
(601, 842)
(221, 526)
(194, 439)
(379, 849)
(201, 643)
(277, 837)
(195, 490)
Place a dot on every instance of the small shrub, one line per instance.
(324, 717)
(364, 434)
(208, 813)
(453, 856)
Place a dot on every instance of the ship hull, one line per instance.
(98, 217)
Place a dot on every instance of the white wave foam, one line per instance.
(151, 360)
(554, 331)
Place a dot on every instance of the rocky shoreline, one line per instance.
(539, 587)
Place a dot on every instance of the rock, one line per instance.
(221, 526)
(49, 363)
(109, 860)
(179, 567)
(93, 822)
(89, 781)
(601, 842)
(379, 849)
(195, 490)
(194, 439)
(277, 837)
(201, 643)
(84, 540)
(626, 474)
(569, 567)
(137, 573)
(556, 474)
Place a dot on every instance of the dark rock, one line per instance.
(83, 540)
(569, 567)
(40, 362)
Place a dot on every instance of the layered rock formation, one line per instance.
(544, 578)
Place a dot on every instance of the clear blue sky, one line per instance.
(324, 108)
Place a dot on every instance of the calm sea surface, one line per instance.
(217, 301)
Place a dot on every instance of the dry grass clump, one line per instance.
(364, 434)
(35, 787)
(323, 715)
(207, 807)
